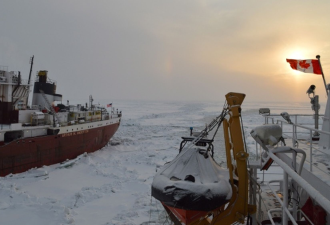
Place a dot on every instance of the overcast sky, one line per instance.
(168, 50)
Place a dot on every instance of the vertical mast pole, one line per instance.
(31, 68)
(325, 85)
(31, 62)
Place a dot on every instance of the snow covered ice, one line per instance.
(113, 185)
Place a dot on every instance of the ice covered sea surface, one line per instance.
(112, 186)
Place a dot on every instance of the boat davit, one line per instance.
(194, 189)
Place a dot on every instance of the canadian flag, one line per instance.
(306, 65)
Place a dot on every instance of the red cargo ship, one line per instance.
(44, 134)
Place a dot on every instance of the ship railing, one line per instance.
(35, 107)
(289, 211)
(256, 188)
(293, 222)
(286, 209)
(49, 81)
(23, 81)
(301, 135)
(4, 126)
(114, 116)
(4, 68)
(305, 138)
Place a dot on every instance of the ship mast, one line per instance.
(31, 62)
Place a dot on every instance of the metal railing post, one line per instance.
(282, 130)
(294, 186)
(254, 196)
(285, 198)
(257, 152)
(310, 150)
(259, 208)
(293, 136)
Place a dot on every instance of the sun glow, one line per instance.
(296, 54)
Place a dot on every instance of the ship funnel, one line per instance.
(44, 88)
(42, 75)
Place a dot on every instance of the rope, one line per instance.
(217, 121)
(222, 116)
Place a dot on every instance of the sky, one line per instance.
(168, 50)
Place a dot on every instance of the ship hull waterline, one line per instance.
(21, 155)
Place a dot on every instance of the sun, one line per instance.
(297, 54)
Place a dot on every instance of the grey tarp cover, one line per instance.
(209, 190)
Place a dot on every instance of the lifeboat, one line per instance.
(194, 189)
(192, 185)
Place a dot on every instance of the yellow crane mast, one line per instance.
(237, 209)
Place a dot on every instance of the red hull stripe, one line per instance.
(22, 155)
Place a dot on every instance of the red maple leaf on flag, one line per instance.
(303, 64)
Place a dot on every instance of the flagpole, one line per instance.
(325, 85)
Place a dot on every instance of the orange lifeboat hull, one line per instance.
(186, 216)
